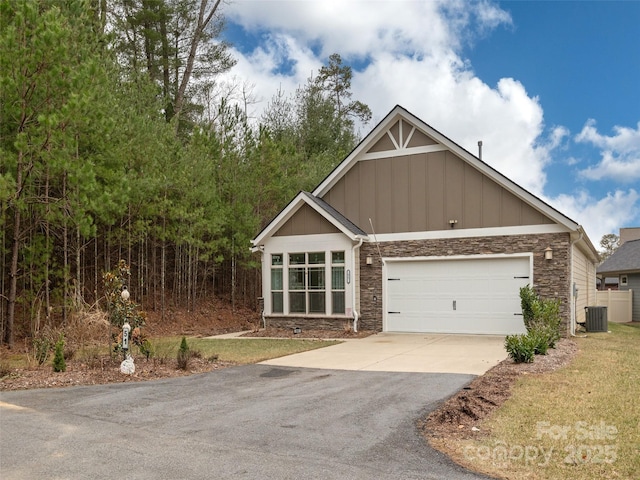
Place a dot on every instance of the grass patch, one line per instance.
(579, 422)
(240, 351)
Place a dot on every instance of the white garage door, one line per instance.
(456, 296)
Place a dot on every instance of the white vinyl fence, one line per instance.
(618, 302)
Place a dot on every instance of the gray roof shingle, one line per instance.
(344, 221)
(625, 259)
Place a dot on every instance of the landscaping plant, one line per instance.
(521, 348)
(542, 321)
(183, 355)
(59, 364)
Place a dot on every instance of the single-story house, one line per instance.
(625, 264)
(412, 233)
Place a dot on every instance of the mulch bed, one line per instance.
(463, 411)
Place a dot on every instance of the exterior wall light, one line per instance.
(452, 223)
(548, 253)
(369, 260)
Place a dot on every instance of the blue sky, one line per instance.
(551, 88)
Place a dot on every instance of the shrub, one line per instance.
(540, 341)
(59, 364)
(41, 347)
(528, 301)
(521, 348)
(183, 355)
(541, 318)
(146, 348)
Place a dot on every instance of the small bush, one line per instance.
(146, 348)
(41, 348)
(59, 364)
(183, 354)
(521, 348)
(540, 341)
(528, 301)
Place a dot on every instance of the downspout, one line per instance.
(353, 288)
(264, 320)
(572, 326)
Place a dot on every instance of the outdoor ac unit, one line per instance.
(596, 319)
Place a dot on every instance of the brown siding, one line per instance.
(383, 145)
(551, 278)
(423, 192)
(306, 221)
(419, 139)
(400, 203)
(417, 182)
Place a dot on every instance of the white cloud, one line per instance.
(600, 216)
(409, 53)
(620, 153)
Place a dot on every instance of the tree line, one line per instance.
(118, 141)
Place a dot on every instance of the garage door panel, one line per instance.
(456, 296)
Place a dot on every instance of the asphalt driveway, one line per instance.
(250, 422)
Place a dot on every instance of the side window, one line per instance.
(277, 305)
(337, 283)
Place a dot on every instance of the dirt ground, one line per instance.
(454, 419)
(207, 320)
(460, 413)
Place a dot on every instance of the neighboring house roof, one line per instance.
(625, 259)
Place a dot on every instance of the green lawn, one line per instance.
(238, 350)
(579, 422)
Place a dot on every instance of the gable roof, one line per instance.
(442, 142)
(625, 259)
(399, 133)
(323, 208)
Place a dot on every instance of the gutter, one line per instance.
(353, 288)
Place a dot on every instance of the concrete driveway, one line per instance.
(250, 422)
(400, 352)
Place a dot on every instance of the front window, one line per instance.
(308, 283)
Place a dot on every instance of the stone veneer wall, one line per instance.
(309, 323)
(551, 277)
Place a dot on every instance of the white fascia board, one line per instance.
(289, 211)
(471, 232)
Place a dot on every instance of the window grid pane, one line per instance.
(297, 278)
(337, 258)
(296, 259)
(297, 302)
(337, 302)
(276, 279)
(316, 278)
(316, 302)
(337, 278)
(277, 304)
(316, 258)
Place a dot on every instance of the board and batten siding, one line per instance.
(306, 221)
(423, 192)
(633, 283)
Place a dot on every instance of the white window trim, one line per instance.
(328, 244)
